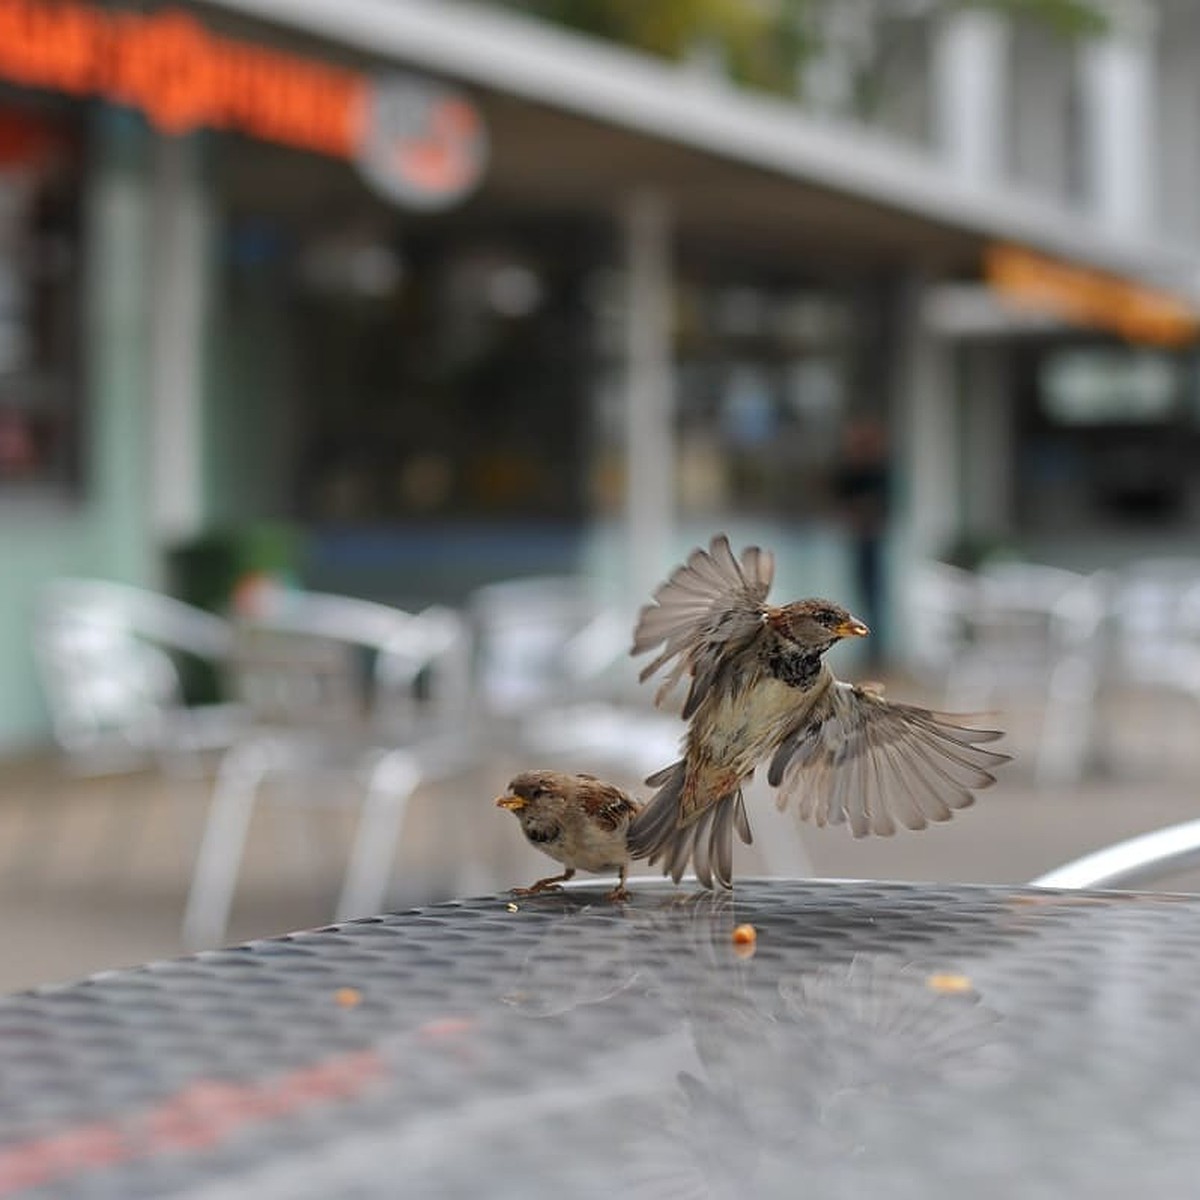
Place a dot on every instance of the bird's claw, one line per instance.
(536, 889)
(618, 895)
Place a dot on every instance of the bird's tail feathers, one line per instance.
(706, 840)
(651, 829)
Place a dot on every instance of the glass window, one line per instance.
(762, 388)
(40, 162)
(379, 367)
(1105, 436)
(439, 381)
(1110, 386)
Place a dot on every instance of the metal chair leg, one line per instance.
(392, 781)
(1067, 722)
(215, 877)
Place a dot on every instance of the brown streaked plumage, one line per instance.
(579, 820)
(760, 689)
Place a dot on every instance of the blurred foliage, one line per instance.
(759, 42)
(1068, 18)
(766, 44)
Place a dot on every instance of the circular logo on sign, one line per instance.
(424, 145)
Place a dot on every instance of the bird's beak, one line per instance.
(512, 803)
(852, 627)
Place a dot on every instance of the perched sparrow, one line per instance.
(760, 689)
(577, 819)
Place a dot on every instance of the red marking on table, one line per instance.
(198, 1117)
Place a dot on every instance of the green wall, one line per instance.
(105, 532)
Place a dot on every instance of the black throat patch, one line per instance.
(541, 832)
(791, 665)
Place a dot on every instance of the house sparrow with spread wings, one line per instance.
(577, 819)
(760, 690)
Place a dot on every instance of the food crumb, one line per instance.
(949, 983)
(512, 907)
(347, 997)
(745, 940)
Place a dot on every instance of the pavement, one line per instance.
(94, 872)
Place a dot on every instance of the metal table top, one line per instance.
(880, 1040)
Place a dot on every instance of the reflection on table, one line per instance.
(872, 1039)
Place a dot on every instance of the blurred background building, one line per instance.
(487, 313)
(400, 297)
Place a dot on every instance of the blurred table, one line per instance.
(876, 1040)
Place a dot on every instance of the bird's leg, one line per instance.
(620, 892)
(549, 884)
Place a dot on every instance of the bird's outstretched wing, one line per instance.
(872, 764)
(710, 603)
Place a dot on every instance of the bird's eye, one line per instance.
(537, 793)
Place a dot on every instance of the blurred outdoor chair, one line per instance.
(541, 639)
(109, 658)
(340, 691)
(1155, 611)
(1024, 630)
(555, 678)
(941, 599)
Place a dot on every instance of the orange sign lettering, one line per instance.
(181, 76)
(1090, 298)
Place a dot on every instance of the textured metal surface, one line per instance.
(881, 1040)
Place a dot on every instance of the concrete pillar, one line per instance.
(179, 235)
(1041, 92)
(649, 431)
(926, 415)
(1178, 104)
(1118, 100)
(988, 467)
(970, 94)
(117, 542)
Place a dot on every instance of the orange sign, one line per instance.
(1090, 298)
(183, 77)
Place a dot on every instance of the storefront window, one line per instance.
(392, 368)
(39, 302)
(1111, 386)
(761, 393)
(440, 384)
(1106, 436)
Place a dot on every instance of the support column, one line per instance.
(988, 467)
(970, 104)
(1118, 86)
(178, 253)
(649, 385)
(926, 419)
(118, 542)
(1178, 102)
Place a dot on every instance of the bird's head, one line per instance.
(814, 624)
(533, 792)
